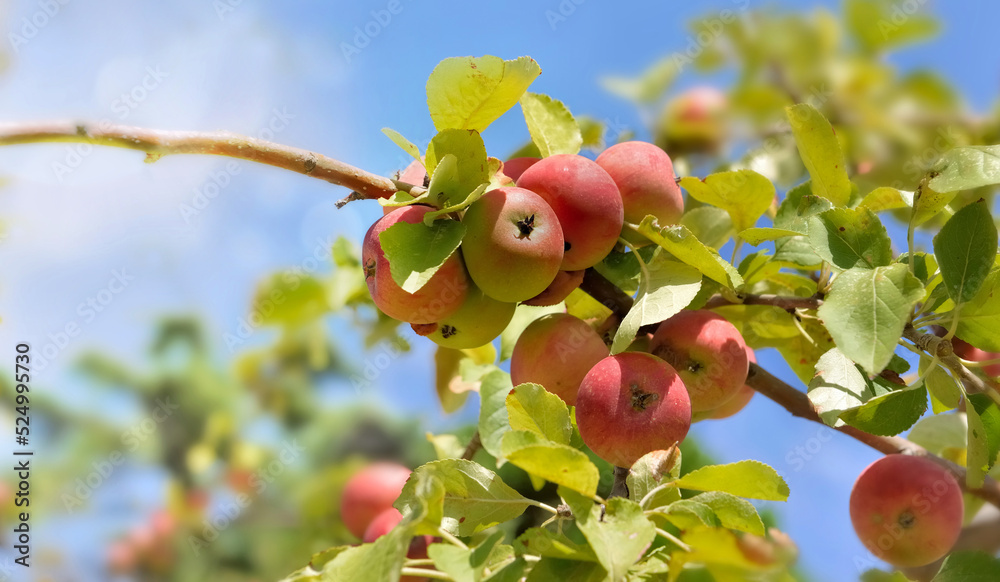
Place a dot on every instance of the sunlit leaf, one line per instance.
(471, 93)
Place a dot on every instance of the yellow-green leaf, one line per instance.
(821, 153)
(744, 194)
(471, 93)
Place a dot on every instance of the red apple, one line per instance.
(558, 290)
(514, 167)
(967, 351)
(907, 510)
(477, 322)
(630, 404)
(645, 177)
(121, 557)
(513, 245)
(369, 492)
(586, 202)
(556, 350)
(694, 121)
(437, 299)
(738, 402)
(708, 352)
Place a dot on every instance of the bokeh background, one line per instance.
(177, 327)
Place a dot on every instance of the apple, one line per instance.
(645, 177)
(708, 352)
(630, 404)
(967, 351)
(514, 167)
(738, 402)
(513, 244)
(556, 350)
(121, 557)
(694, 121)
(477, 322)
(907, 510)
(558, 290)
(437, 299)
(586, 202)
(369, 492)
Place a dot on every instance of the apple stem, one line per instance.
(451, 539)
(673, 539)
(421, 572)
(475, 443)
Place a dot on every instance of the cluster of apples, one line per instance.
(366, 506)
(147, 547)
(528, 242)
(693, 367)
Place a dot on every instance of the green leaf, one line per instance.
(941, 385)
(530, 407)
(549, 569)
(800, 204)
(979, 318)
(751, 479)
(647, 87)
(758, 235)
(407, 146)
(665, 288)
(404, 199)
(927, 202)
(651, 471)
(886, 198)
(374, 562)
(939, 432)
(802, 351)
(464, 565)
(874, 575)
(969, 566)
(889, 414)
(551, 125)
(965, 250)
(821, 153)
(866, 310)
(471, 93)
(967, 168)
(451, 187)
(732, 512)
(296, 299)
(538, 541)
(711, 225)
(839, 385)
(679, 242)
(977, 454)
(687, 513)
(560, 464)
(876, 26)
(476, 194)
(744, 194)
(850, 238)
(619, 533)
(475, 498)
(416, 251)
(493, 421)
(989, 415)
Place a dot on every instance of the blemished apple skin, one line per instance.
(556, 350)
(644, 174)
(514, 167)
(369, 492)
(436, 300)
(513, 244)
(907, 510)
(630, 404)
(708, 352)
(477, 322)
(738, 402)
(970, 352)
(586, 202)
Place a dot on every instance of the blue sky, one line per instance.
(247, 65)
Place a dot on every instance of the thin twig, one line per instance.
(475, 443)
(782, 301)
(606, 293)
(159, 143)
(797, 403)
